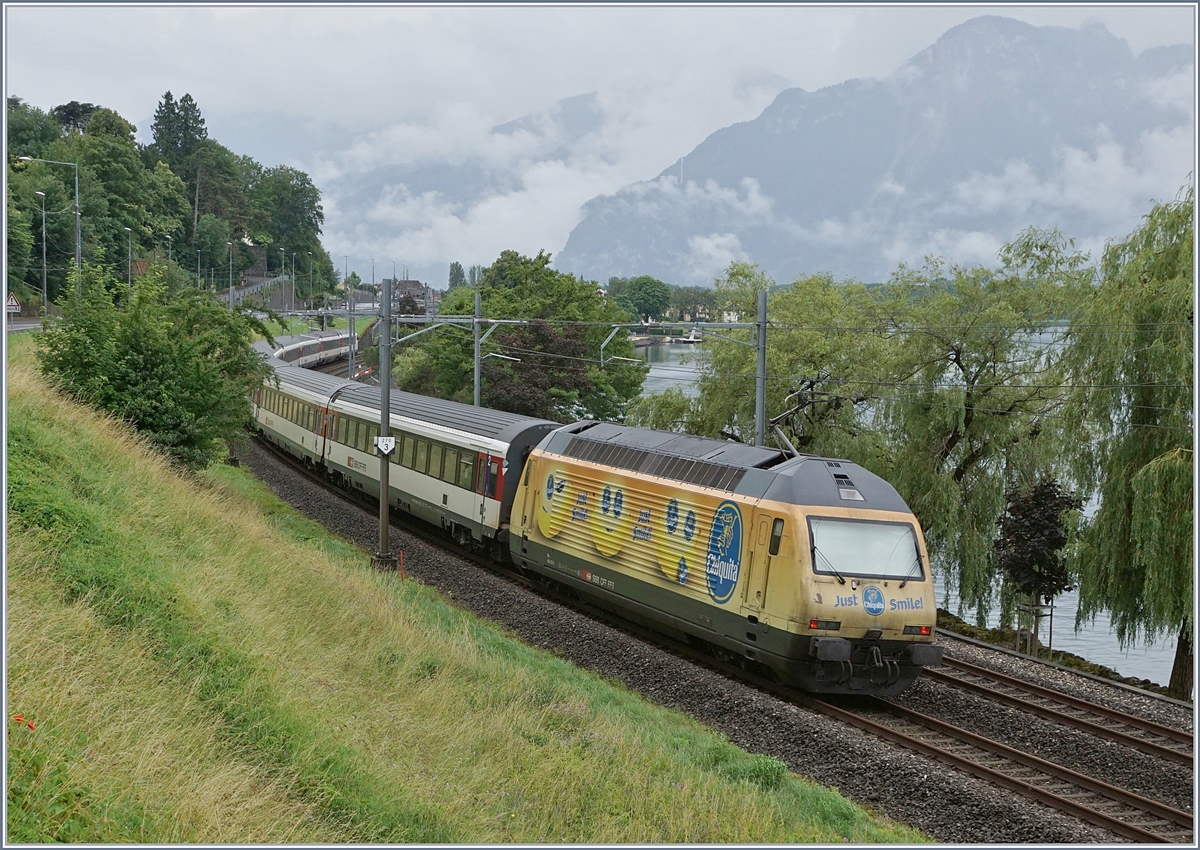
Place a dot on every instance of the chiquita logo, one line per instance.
(724, 560)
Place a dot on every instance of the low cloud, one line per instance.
(709, 255)
(1108, 183)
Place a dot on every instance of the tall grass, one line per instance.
(202, 664)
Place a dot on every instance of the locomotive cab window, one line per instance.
(865, 549)
(776, 536)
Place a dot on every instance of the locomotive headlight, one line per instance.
(918, 630)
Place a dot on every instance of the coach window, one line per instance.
(422, 456)
(493, 474)
(450, 465)
(407, 457)
(372, 433)
(362, 442)
(435, 460)
(465, 467)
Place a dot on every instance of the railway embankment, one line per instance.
(191, 661)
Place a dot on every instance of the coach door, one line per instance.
(764, 547)
(487, 480)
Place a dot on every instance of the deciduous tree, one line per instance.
(1131, 364)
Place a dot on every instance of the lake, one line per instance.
(675, 366)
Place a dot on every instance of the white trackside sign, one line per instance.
(385, 445)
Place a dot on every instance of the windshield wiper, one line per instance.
(832, 568)
(916, 563)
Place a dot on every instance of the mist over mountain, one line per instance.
(997, 126)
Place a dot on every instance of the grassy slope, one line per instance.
(204, 665)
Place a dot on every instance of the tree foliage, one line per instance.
(175, 364)
(1131, 364)
(30, 129)
(558, 375)
(73, 116)
(1033, 532)
(644, 296)
(185, 195)
(457, 276)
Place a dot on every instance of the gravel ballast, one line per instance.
(947, 805)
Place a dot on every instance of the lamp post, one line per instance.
(230, 244)
(293, 281)
(78, 242)
(350, 301)
(310, 291)
(170, 245)
(42, 195)
(129, 261)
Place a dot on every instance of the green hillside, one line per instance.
(201, 664)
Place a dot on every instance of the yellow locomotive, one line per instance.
(812, 567)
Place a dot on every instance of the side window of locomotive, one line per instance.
(450, 465)
(466, 468)
(776, 536)
(409, 445)
(422, 456)
(435, 460)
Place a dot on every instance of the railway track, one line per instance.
(1173, 745)
(1121, 812)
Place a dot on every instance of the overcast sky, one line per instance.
(341, 91)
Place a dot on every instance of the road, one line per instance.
(13, 324)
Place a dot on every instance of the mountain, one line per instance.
(997, 126)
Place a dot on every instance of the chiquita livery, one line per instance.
(811, 568)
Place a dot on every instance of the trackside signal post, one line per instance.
(385, 444)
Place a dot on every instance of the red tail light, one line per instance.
(926, 631)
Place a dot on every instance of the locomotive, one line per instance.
(811, 568)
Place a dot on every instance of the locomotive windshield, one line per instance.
(865, 548)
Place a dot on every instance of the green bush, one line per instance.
(175, 364)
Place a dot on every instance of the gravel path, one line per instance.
(947, 805)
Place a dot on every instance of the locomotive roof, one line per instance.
(753, 471)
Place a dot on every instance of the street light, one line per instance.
(42, 195)
(170, 245)
(293, 281)
(230, 244)
(78, 242)
(349, 296)
(310, 291)
(129, 262)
